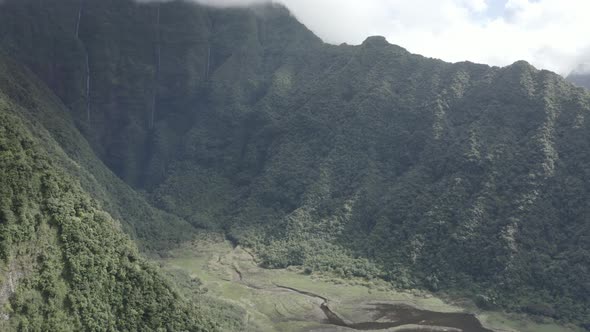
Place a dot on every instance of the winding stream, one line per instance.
(285, 300)
(288, 300)
(384, 315)
(399, 315)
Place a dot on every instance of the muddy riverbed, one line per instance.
(386, 316)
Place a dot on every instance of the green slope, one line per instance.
(50, 120)
(65, 263)
(358, 160)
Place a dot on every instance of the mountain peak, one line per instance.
(376, 41)
(271, 8)
(522, 65)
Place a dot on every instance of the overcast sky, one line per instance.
(551, 34)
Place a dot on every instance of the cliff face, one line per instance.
(131, 73)
(65, 263)
(361, 160)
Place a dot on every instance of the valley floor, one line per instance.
(289, 300)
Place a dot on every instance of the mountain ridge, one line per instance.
(65, 263)
(361, 161)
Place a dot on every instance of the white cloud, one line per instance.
(550, 34)
(476, 5)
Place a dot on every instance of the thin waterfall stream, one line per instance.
(79, 18)
(87, 88)
(208, 62)
(86, 60)
(158, 64)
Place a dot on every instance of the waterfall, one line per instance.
(158, 42)
(87, 61)
(79, 18)
(158, 63)
(208, 62)
(87, 89)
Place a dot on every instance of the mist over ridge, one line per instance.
(495, 32)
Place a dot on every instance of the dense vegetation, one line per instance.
(153, 228)
(65, 264)
(361, 160)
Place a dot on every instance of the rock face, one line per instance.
(365, 161)
(8, 286)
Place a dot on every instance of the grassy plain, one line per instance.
(232, 274)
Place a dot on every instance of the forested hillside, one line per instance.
(65, 263)
(364, 161)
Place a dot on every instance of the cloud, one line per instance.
(549, 34)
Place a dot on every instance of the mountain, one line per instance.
(65, 263)
(362, 161)
(580, 76)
